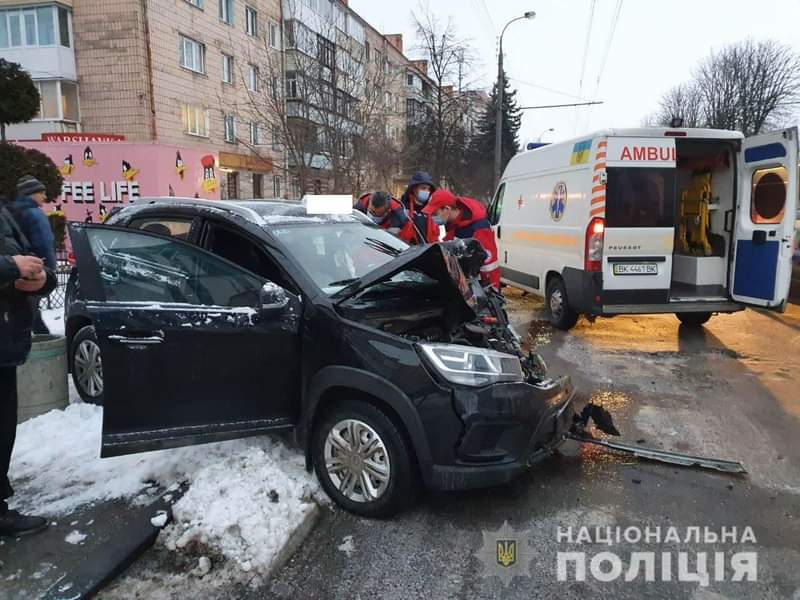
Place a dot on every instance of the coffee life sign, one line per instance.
(89, 192)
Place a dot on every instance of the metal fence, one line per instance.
(56, 297)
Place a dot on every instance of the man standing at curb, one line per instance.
(27, 209)
(21, 278)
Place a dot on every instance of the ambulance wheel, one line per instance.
(562, 316)
(695, 319)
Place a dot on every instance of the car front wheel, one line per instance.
(87, 365)
(363, 460)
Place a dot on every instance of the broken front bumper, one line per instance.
(507, 428)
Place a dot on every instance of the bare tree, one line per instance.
(321, 100)
(437, 140)
(747, 86)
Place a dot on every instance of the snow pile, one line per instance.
(230, 506)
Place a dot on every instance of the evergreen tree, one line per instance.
(481, 155)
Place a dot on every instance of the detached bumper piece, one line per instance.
(673, 458)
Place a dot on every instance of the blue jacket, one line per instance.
(36, 227)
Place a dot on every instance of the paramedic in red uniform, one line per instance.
(387, 213)
(414, 199)
(466, 218)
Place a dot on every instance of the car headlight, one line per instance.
(470, 366)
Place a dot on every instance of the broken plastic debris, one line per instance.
(203, 566)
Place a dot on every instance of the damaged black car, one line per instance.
(394, 368)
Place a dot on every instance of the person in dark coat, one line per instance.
(22, 276)
(27, 209)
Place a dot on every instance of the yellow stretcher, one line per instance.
(693, 218)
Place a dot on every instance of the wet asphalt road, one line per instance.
(730, 390)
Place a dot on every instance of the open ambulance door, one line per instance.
(765, 216)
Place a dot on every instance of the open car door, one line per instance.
(765, 218)
(195, 348)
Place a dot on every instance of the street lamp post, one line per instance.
(548, 130)
(498, 133)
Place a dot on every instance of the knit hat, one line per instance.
(28, 185)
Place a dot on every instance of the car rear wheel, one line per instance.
(363, 460)
(87, 365)
(693, 319)
(562, 316)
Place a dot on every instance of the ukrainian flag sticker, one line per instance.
(580, 152)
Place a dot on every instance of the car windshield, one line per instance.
(337, 254)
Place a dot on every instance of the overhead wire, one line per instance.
(604, 59)
(586, 43)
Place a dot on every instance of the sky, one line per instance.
(655, 45)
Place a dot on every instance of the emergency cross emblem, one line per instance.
(558, 202)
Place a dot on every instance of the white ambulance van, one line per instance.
(635, 221)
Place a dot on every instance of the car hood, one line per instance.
(434, 260)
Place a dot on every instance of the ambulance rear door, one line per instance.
(765, 219)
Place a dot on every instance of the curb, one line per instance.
(298, 535)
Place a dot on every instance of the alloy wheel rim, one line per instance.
(89, 368)
(357, 461)
(556, 303)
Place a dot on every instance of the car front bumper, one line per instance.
(507, 428)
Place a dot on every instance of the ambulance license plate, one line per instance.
(635, 269)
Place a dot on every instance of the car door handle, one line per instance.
(144, 340)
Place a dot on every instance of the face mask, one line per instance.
(439, 220)
(377, 220)
(423, 196)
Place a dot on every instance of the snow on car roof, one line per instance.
(277, 212)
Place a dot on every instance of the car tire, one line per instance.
(392, 481)
(86, 365)
(694, 319)
(562, 316)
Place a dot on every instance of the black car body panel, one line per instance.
(361, 342)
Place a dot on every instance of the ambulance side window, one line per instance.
(496, 207)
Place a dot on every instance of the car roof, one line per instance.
(263, 213)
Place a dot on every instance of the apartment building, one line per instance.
(183, 74)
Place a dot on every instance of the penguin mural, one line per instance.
(128, 172)
(88, 157)
(68, 166)
(171, 191)
(88, 218)
(209, 177)
(102, 212)
(180, 168)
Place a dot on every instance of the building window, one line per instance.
(276, 138)
(326, 53)
(229, 122)
(366, 50)
(250, 21)
(258, 185)
(233, 185)
(192, 55)
(255, 133)
(63, 27)
(276, 186)
(195, 120)
(274, 36)
(48, 100)
(291, 85)
(197, 3)
(27, 27)
(409, 79)
(252, 78)
(226, 11)
(227, 69)
(69, 101)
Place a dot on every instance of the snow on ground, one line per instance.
(54, 319)
(229, 507)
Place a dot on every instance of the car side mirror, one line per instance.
(272, 298)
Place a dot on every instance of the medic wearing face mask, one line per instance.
(416, 197)
(387, 213)
(466, 218)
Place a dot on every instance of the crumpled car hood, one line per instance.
(434, 260)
